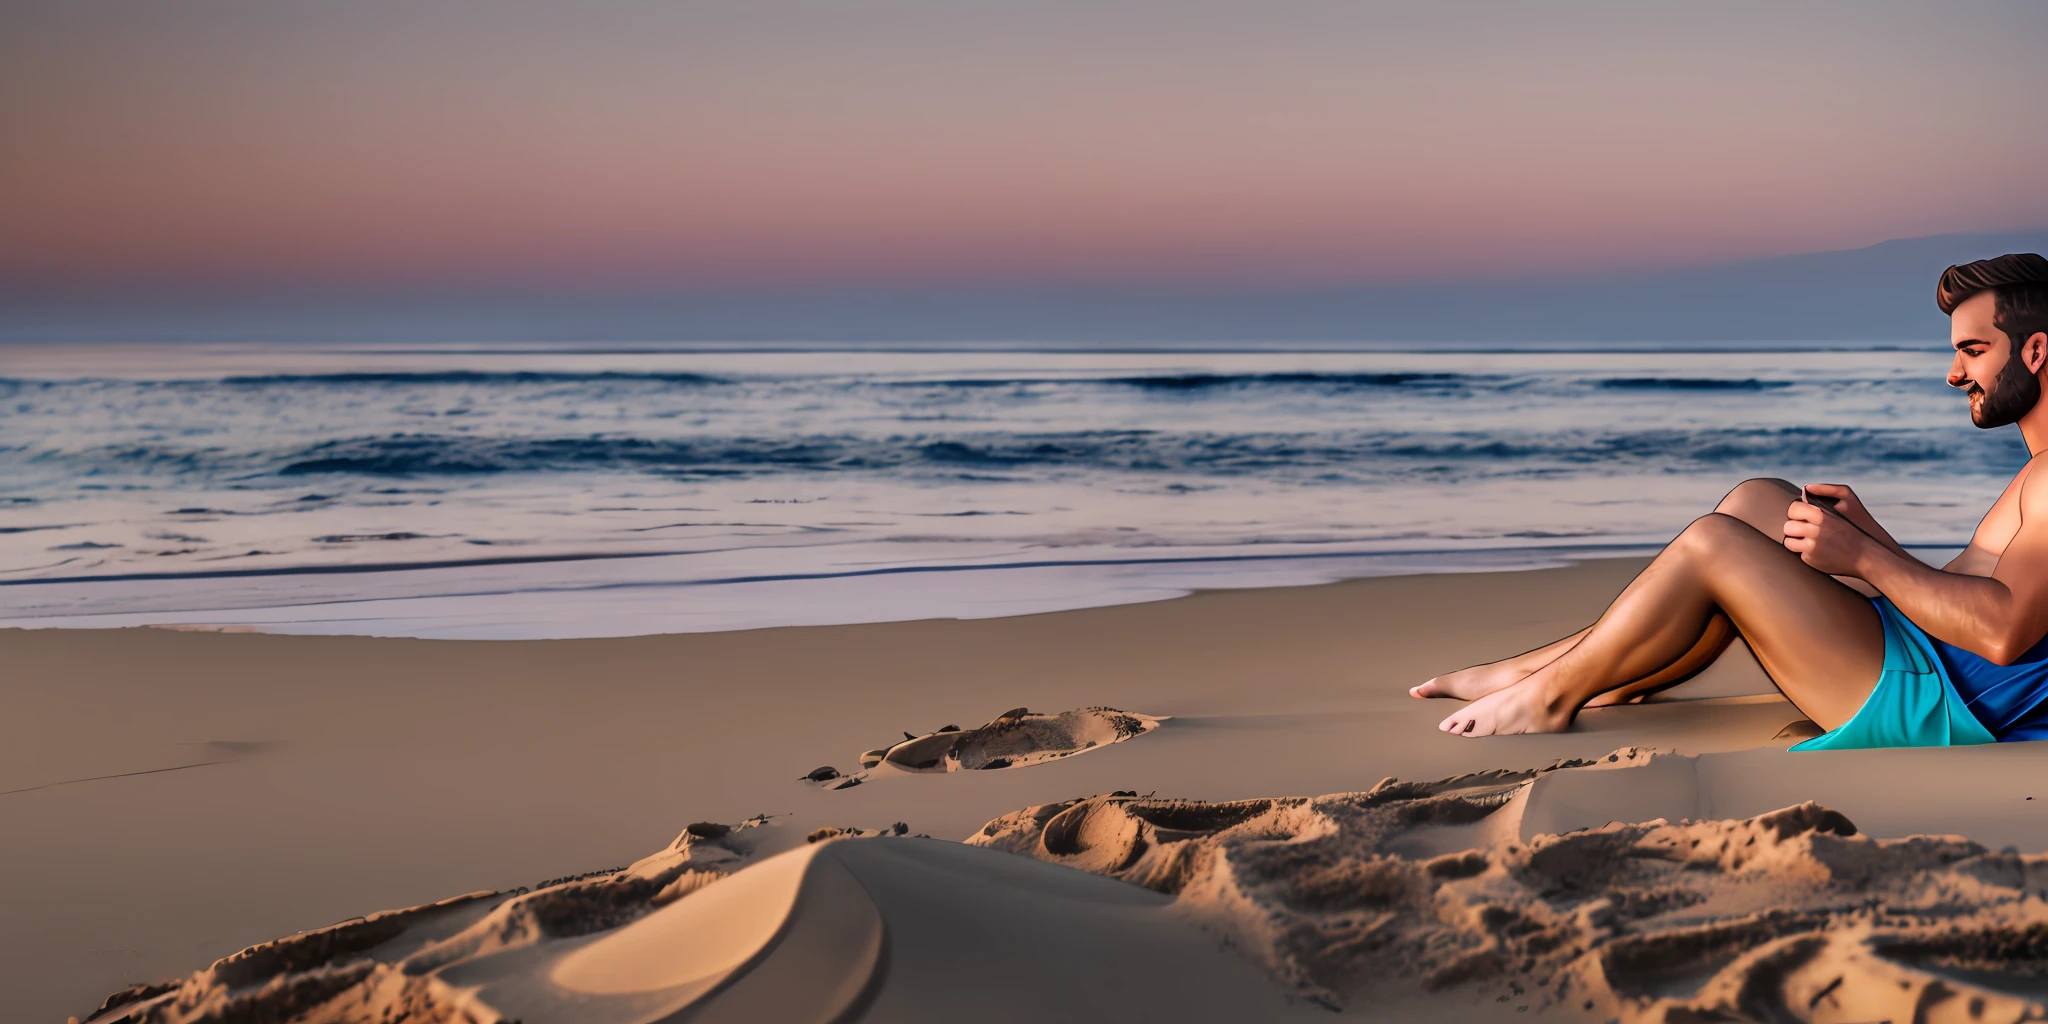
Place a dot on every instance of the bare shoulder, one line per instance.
(2023, 499)
(2028, 492)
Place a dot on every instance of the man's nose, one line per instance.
(1956, 377)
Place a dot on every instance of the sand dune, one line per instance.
(404, 960)
(885, 929)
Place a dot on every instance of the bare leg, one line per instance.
(1480, 680)
(1820, 641)
(1760, 502)
(1719, 634)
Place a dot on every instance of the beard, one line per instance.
(2012, 394)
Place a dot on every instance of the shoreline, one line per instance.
(655, 595)
(441, 601)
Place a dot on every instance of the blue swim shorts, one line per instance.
(1914, 704)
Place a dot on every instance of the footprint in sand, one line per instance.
(1015, 739)
(1434, 885)
(828, 777)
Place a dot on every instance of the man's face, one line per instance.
(2000, 387)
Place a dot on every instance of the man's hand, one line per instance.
(1851, 508)
(1830, 543)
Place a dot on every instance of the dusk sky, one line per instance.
(763, 144)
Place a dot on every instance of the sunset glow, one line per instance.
(697, 147)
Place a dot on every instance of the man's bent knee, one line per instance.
(1714, 532)
(1756, 490)
(1761, 503)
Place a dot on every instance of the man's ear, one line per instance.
(2034, 352)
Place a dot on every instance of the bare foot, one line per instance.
(1518, 709)
(1477, 681)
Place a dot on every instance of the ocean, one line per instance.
(517, 493)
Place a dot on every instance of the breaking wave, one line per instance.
(1333, 455)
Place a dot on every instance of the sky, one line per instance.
(705, 148)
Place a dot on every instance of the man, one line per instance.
(1941, 656)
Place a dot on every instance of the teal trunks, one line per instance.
(1915, 703)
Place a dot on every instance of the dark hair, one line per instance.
(2020, 282)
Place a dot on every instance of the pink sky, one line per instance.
(765, 145)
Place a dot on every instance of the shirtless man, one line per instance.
(1941, 656)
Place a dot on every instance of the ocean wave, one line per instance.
(407, 455)
(466, 377)
(1332, 455)
(315, 382)
(828, 389)
(1171, 382)
(1692, 384)
(1204, 381)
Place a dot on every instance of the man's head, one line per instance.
(1998, 322)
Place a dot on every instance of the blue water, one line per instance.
(477, 482)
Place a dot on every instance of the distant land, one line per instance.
(1878, 294)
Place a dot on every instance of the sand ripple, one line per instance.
(1423, 891)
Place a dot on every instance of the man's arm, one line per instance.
(1975, 560)
(1998, 616)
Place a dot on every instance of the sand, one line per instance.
(174, 797)
(1431, 895)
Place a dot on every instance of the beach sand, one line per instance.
(168, 798)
